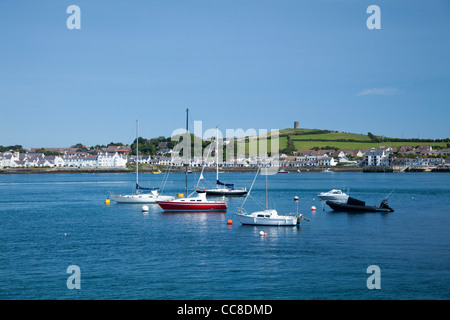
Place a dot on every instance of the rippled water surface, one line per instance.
(49, 222)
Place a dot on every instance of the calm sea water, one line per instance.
(49, 222)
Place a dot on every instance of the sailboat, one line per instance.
(140, 197)
(190, 203)
(223, 189)
(267, 217)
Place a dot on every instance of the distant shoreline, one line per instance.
(197, 169)
(149, 170)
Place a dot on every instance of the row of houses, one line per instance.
(28, 160)
(306, 158)
(421, 162)
(242, 161)
(378, 157)
(421, 150)
(332, 153)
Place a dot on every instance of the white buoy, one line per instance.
(313, 208)
(144, 208)
(261, 233)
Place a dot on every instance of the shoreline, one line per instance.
(198, 169)
(150, 170)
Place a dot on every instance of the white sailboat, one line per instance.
(222, 189)
(140, 197)
(267, 217)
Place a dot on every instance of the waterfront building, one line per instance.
(375, 157)
(326, 161)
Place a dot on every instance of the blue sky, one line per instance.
(259, 64)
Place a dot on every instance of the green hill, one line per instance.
(306, 139)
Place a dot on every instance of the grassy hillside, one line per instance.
(306, 139)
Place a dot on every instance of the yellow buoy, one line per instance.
(107, 201)
(180, 195)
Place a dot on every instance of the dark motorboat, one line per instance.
(355, 205)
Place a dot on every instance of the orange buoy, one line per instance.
(230, 222)
(265, 234)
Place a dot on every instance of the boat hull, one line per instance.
(192, 207)
(260, 221)
(141, 198)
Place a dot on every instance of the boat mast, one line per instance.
(137, 156)
(217, 157)
(186, 149)
(267, 206)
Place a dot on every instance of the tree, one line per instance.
(16, 148)
(373, 137)
(290, 146)
(118, 144)
(79, 146)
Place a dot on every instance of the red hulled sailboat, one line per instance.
(192, 204)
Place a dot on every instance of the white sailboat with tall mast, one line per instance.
(222, 189)
(267, 217)
(140, 197)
